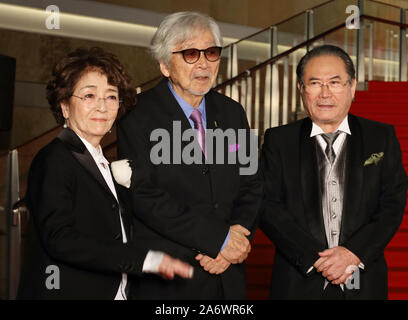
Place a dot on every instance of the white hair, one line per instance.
(177, 28)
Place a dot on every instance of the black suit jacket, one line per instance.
(74, 225)
(186, 209)
(374, 202)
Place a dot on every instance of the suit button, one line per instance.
(298, 262)
(114, 206)
(205, 170)
(215, 205)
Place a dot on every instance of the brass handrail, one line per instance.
(385, 21)
(387, 4)
(278, 23)
(277, 57)
(303, 44)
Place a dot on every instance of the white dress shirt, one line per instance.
(153, 258)
(343, 128)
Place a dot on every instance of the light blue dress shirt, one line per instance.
(188, 110)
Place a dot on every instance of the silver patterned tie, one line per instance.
(330, 138)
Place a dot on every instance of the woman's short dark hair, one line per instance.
(326, 50)
(71, 68)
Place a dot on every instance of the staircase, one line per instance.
(388, 102)
(385, 102)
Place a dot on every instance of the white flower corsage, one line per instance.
(122, 172)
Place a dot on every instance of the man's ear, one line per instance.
(300, 87)
(353, 86)
(164, 69)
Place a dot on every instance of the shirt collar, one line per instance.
(96, 153)
(187, 108)
(344, 127)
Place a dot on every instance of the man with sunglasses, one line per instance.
(335, 190)
(204, 213)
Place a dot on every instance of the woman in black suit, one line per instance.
(80, 238)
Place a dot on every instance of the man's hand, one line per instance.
(336, 264)
(169, 267)
(213, 266)
(238, 246)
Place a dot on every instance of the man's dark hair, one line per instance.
(326, 50)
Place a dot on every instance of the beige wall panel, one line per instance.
(231, 11)
(255, 13)
(30, 122)
(36, 55)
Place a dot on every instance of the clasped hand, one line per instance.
(337, 264)
(235, 251)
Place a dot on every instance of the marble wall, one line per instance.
(35, 56)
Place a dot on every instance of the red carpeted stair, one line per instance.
(385, 102)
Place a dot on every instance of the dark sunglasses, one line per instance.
(192, 55)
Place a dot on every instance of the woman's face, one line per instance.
(93, 107)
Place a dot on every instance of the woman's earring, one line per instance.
(110, 130)
(65, 124)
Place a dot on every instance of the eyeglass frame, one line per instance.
(104, 99)
(326, 83)
(199, 54)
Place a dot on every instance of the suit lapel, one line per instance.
(170, 106)
(171, 111)
(214, 120)
(310, 184)
(81, 153)
(354, 177)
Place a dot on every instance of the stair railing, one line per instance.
(264, 89)
(12, 220)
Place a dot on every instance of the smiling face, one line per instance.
(192, 81)
(325, 108)
(92, 121)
